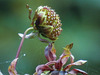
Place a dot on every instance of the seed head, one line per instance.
(47, 22)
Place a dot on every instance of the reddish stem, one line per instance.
(21, 43)
(20, 46)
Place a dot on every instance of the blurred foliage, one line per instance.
(80, 23)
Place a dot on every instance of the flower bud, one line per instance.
(47, 22)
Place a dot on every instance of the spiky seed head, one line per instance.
(47, 22)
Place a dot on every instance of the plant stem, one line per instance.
(21, 43)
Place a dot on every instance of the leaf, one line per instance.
(41, 68)
(11, 68)
(72, 58)
(28, 36)
(44, 68)
(67, 49)
(50, 52)
(66, 54)
(76, 71)
(79, 62)
(64, 57)
(58, 64)
(43, 40)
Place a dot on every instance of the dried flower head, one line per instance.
(47, 22)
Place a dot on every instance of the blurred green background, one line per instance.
(80, 23)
